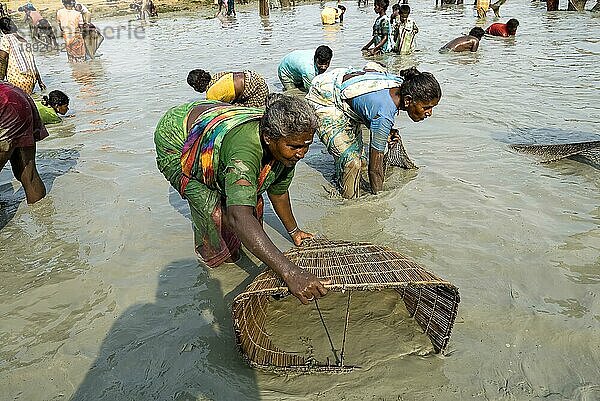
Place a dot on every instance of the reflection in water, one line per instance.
(65, 129)
(266, 31)
(462, 58)
(87, 73)
(227, 22)
(396, 63)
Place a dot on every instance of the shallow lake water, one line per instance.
(102, 297)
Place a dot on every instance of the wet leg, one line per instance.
(496, 7)
(23, 166)
(350, 179)
(5, 157)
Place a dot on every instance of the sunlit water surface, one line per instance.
(102, 297)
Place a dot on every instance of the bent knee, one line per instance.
(353, 165)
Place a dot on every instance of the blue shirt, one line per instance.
(377, 109)
(300, 67)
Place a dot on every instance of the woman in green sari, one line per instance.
(51, 106)
(221, 158)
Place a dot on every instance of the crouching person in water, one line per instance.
(346, 98)
(465, 43)
(51, 106)
(331, 15)
(222, 158)
(245, 88)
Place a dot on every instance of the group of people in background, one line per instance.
(397, 33)
(82, 39)
(23, 120)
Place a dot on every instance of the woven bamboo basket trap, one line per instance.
(351, 266)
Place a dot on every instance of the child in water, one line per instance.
(51, 106)
(405, 31)
(381, 31)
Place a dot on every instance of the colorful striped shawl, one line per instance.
(200, 153)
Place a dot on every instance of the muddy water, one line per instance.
(102, 297)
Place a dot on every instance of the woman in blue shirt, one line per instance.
(346, 98)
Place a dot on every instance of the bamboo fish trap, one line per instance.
(351, 266)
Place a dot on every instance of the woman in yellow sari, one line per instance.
(70, 22)
(245, 88)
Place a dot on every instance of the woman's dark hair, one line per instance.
(7, 26)
(404, 9)
(323, 54)
(421, 86)
(70, 3)
(55, 99)
(287, 116)
(477, 32)
(198, 79)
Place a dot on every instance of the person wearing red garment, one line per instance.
(504, 30)
(20, 129)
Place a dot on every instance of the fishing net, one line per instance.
(351, 266)
(588, 152)
(396, 155)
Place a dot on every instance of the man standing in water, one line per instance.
(298, 68)
(504, 30)
(465, 43)
(20, 128)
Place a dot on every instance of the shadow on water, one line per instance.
(51, 163)
(180, 347)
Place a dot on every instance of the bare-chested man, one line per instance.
(465, 43)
